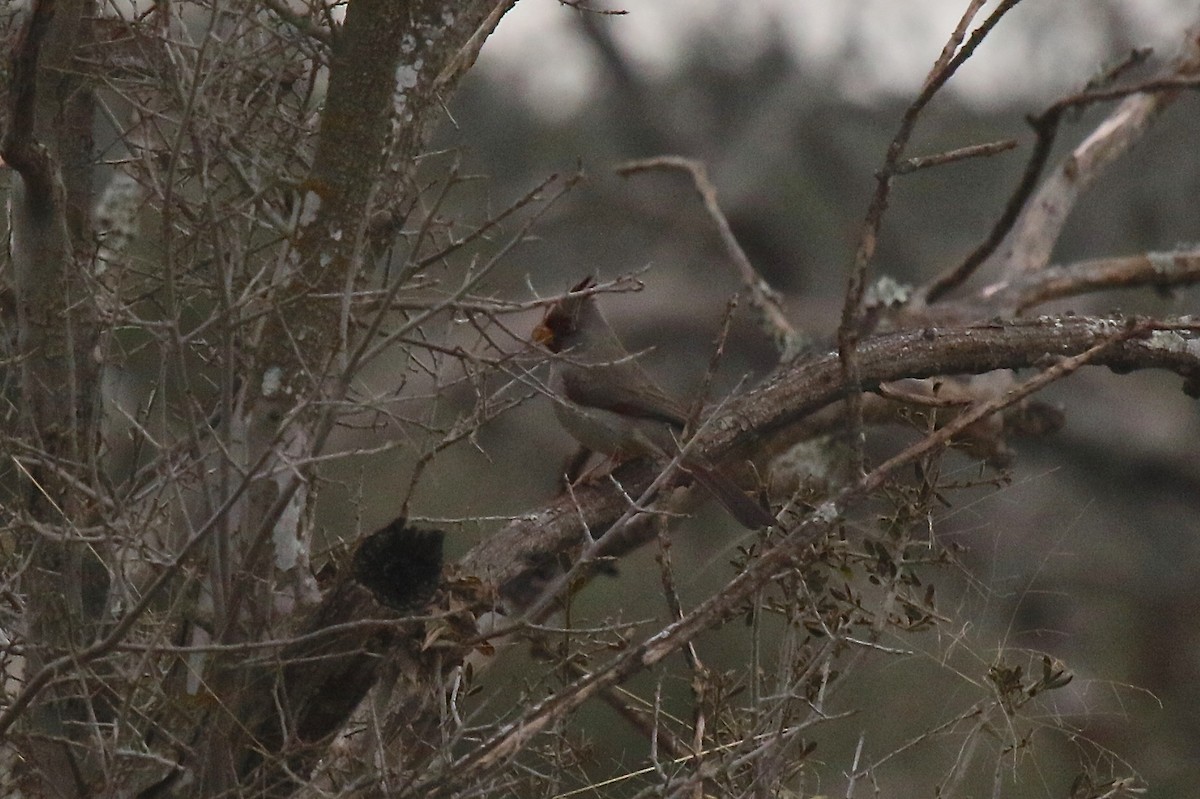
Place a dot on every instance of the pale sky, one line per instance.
(1042, 47)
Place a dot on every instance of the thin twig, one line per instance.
(578, 5)
(1109, 74)
(951, 156)
(38, 681)
(546, 602)
(303, 25)
(1111, 138)
(763, 298)
(514, 736)
(952, 57)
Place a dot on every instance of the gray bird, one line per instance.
(610, 404)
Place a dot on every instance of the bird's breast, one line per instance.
(612, 433)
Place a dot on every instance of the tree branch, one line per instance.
(1161, 270)
(1032, 223)
(514, 558)
(513, 737)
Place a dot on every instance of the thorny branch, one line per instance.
(508, 570)
(954, 54)
(514, 737)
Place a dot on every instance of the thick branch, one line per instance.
(49, 147)
(1041, 222)
(1159, 269)
(391, 66)
(391, 63)
(1031, 223)
(514, 555)
(783, 554)
(517, 559)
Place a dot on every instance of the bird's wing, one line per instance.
(608, 387)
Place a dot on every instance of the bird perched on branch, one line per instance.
(610, 404)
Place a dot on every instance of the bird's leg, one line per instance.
(574, 473)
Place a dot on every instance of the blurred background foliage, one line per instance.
(1091, 553)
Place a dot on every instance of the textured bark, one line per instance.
(233, 680)
(515, 558)
(49, 146)
(390, 65)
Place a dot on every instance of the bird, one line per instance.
(610, 404)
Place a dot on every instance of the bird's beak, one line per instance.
(543, 335)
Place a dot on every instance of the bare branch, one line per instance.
(507, 557)
(952, 57)
(1160, 270)
(764, 298)
(951, 156)
(677, 634)
(1033, 223)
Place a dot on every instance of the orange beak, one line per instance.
(543, 335)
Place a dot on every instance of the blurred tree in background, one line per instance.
(283, 507)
